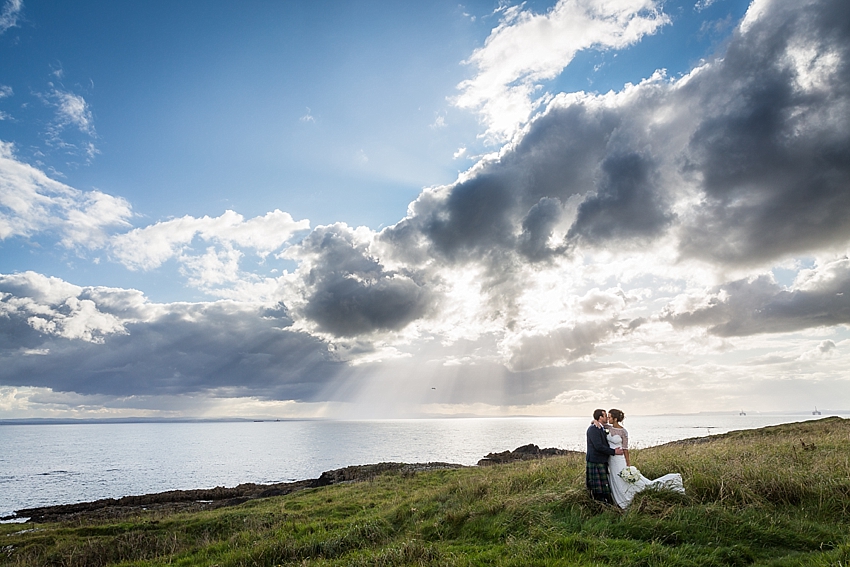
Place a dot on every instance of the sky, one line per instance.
(385, 210)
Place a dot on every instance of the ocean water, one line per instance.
(50, 464)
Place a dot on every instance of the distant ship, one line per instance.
(742, 413)
(816, 412)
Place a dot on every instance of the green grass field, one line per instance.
(776, 496)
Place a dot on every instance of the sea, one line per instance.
(48, 464)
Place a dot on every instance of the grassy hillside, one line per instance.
(775, 496)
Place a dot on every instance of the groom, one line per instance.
(598, 452)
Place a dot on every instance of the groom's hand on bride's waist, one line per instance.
(618, 451)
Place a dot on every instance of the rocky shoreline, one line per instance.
(210, 498)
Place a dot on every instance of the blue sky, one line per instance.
(534, 206)
(322, 110)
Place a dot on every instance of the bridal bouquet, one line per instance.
(630, 474)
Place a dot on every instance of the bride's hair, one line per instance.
(617, 414)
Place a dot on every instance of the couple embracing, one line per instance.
(610, 476)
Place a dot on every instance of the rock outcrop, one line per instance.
(524, 453)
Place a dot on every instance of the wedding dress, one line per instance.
(622, 490)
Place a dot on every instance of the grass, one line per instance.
(778, 496)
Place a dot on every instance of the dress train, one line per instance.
(623, 491)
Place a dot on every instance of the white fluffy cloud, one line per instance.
(53, 307)
(31, 202)
(149, 247)
(527, 49)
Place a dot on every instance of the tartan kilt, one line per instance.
(597, 478)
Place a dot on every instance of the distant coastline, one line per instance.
(118, 420)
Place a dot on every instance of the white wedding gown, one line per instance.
(623, 491)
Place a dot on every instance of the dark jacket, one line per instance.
(598, 450)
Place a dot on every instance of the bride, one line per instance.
(624, 489)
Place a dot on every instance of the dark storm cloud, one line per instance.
(17, 335)
(749, 307)
(510, 205)
(772, 146)
(177, 349)
(537, 227)
(474, 219)
(348, 291)
(628, 204)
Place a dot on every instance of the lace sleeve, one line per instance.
(625, 436)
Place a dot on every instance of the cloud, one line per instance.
(626, 205)
(346, 291)
(531, 351)
(114, 342)
(597, 317)
(73, 110)
(31, 203)
(771, 151)
(537, 228)
(760, 305)
(5, 92)
(308, 116)
(571, 171)
(214, 268)
(72, 128)
(526, 49)
(54, 308)
(10, 14)
(823, 351)
(29, 402)
(149, 247)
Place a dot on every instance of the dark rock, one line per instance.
(524, 453)
(359, 473)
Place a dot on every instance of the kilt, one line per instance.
(597, 478)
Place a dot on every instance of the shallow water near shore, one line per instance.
(42, 465)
